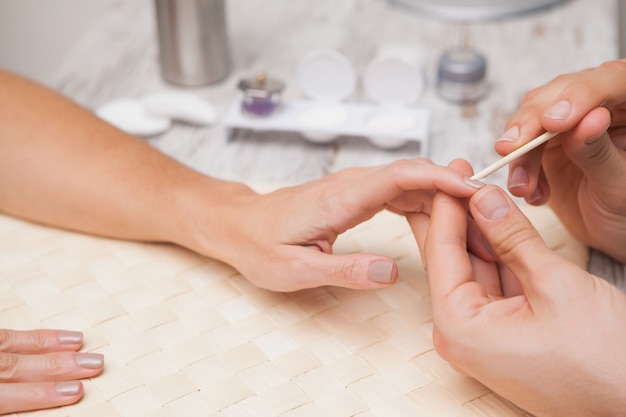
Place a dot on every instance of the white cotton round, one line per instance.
(131, 116)
(181, 106)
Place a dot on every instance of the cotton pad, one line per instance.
(181, 106)
(131, 116)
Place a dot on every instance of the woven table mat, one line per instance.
(187, 336)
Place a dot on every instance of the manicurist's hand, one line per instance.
(581, 172)
(42, 368)
(283, 240)
(525, 322)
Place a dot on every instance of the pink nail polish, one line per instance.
(89, 360)
(67, 337)
(68, 387)
(380, 271)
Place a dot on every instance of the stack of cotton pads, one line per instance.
(154, 113)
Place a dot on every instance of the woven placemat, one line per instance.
(187, 336)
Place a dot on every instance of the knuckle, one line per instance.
(510, 239)
(54, 365)
(347, 272)
(37, 341)
(613, 66)
(8, 366)
(6, 338)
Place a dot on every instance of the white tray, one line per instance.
(386, 127)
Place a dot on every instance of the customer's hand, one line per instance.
(283, 240)
(582, 171)
(41, 368)
(525, 322)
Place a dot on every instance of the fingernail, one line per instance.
(593, 139)
(535, 196)
(473, 183)
(70, 338)
(492, 204)
(511, 135)
(380, 271)
(558, 111)
(90, 360)
(488, 247)
(519, 178)
(68, 387)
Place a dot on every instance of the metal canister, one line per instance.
(193, 41)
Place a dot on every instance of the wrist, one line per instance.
(208, 217)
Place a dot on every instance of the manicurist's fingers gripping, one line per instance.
(592, 150)
(510, 235)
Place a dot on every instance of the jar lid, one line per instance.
(260, 86)
(464, 65)
(325, 74)
(391, 80)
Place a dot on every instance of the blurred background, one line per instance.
(35, 35)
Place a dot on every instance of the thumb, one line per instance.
(356, 270)
(512, 237)
(592, 150)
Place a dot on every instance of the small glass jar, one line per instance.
(261, 95)
(461, 75)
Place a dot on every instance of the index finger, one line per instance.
(384, 184)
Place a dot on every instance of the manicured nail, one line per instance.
(90, 360)
(519, 178)
(68, 387)
(558, 111)
(70, 338)
(380, 271)
(492, 204)
(473, 183)
(511, 135)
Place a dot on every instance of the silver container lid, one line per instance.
(462, 65)
(260, 86)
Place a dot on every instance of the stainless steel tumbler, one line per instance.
(193, 41)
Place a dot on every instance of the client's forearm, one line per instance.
(61, 165)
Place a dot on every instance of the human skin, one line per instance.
(62, 166)
(530, 325)
(581, 172)
(42, 368)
